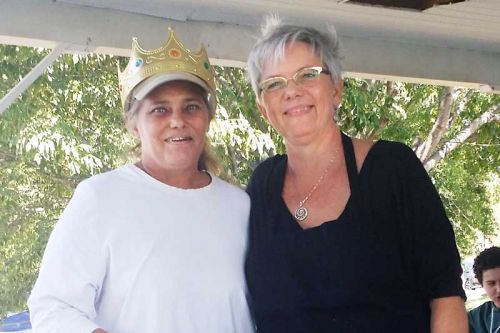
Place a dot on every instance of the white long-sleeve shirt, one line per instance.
(131, 254)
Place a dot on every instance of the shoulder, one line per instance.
(228, 189)
(120, 180)
(390, 167)
(479, 317)
(104, 179)
(92, 199)
(271, 169)
(272, 165)
(269, 165)
(227, 199)
(480, 310)
(361, 149)
(391, 149)
(387, 156)
(101, 188)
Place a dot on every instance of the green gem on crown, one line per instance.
(206, 65)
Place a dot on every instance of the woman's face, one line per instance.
(491, 284)
(171, 124)
(299, 112)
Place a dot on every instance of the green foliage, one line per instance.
(240, 135)
(466, 197)
(68, 126)
(365, 107)
(64, 128)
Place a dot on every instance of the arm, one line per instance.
(448, 315)
(73, 267)
(430, 246)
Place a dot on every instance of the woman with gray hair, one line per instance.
(346, 235)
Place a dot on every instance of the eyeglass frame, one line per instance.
(319, 69)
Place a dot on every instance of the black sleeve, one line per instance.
(262, 181)
(258, 178)
(260, 217)
(260, 189)
(431, 240)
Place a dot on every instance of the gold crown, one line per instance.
(172, 57)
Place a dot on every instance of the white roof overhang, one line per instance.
(456, 44)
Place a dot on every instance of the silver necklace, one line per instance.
(301, 211)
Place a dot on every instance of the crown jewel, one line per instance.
(170, 58)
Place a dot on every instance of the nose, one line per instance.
(292, 89)
(177, 119)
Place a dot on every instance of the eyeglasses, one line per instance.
(302, 77)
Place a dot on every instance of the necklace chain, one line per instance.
(301, 211)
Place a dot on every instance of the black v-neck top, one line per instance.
(374, 269)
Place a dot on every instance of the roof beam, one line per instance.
(368, 55)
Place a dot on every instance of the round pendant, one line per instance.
(301, 213)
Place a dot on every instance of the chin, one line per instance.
(301, 133)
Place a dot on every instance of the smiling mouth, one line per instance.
(179, 139)
(298, 110)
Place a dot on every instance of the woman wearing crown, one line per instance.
(155, 246)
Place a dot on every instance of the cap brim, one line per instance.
(148, 85)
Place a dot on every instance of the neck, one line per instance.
(190, 178)
(313, 157)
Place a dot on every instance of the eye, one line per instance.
(273, 84)
(307, 74)
(192, 107)
(159, 110)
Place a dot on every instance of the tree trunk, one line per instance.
(440, 125)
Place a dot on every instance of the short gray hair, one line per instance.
(275, 37)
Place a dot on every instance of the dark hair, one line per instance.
(487, 259)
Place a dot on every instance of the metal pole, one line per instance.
(26, 82)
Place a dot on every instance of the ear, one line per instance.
(337, 91)
(262, 110)
(132, 128)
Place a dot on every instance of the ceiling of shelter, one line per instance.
(455, 43)
(412, 4)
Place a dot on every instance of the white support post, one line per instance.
(26, 82)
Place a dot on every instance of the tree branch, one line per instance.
(390, 91)
(232, 160)
(489, 116)
(374, 134)
(7, 156)
(440, 125)
(461, 106)
(235, 85)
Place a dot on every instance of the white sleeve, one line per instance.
(73, 267)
